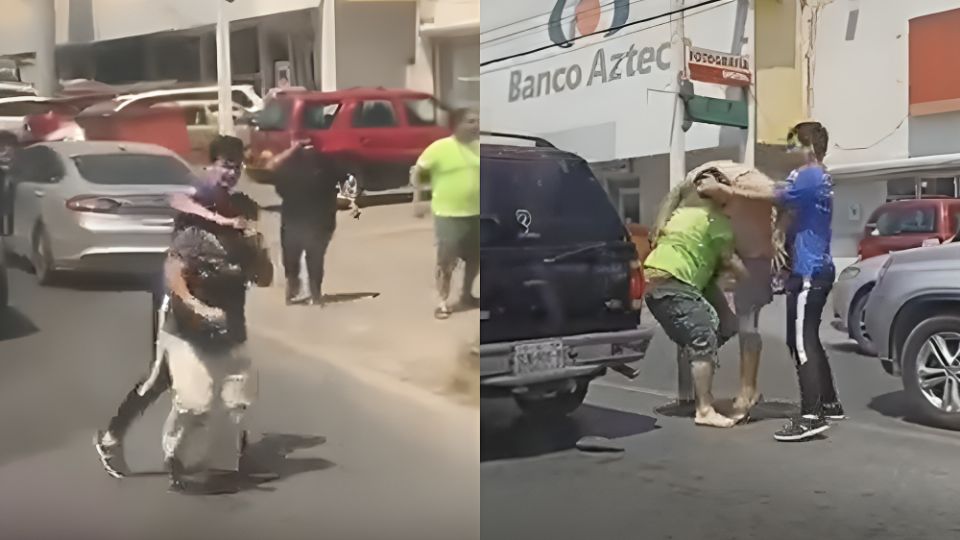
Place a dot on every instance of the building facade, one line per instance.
(312, 43)
(895, 126)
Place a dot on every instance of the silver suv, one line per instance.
(913, 318)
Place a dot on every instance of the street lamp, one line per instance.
(224, 71)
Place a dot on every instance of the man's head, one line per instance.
(466, 124)
(810, 139)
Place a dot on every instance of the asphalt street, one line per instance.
(354, 460)
(873, 476)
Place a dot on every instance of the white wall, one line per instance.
(632, 112)
(866, 196)
(859, 110)
(375, 43)
(112, 19)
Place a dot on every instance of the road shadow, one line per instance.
(522, 437)
(849, 347)
(764, 410)
(268, 460)
(15, 325)
(338, 298)
(894, 405)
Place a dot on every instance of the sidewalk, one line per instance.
(379, 316)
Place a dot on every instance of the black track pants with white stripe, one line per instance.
(806, 299)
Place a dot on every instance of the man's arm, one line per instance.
(719, 191)
(262, 265)
(667, 208)
(420, 175)
(278, 160)
(186, 204)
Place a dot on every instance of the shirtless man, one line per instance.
(752, 224)
(693, 249)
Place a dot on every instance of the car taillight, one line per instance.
(100, 205)
(637, 285)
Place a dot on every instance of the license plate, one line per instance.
(539, 357)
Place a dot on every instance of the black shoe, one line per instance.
(802, 428)
(834, 411)
(111, 455)
(469, 301)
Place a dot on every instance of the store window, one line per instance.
(899, 189)
(938, 187)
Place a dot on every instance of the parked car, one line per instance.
(94, 206)
(243, 95)
(908, 224)
(913, 318)
(202, 118)
(374, 134)
(15, 110)
(850, 295)
(562, 283)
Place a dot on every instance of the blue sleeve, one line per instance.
(803, 189)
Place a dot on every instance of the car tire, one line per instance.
(560, 404)
(855, 324)
(916, 353)
(42, 258)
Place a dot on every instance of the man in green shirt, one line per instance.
(452, 167)
(694, 248)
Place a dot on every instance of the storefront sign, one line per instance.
(716, 67)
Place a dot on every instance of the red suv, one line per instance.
(375, 134)
(910, 224)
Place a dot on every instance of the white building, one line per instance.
(886, 84)
(370, 43)
(606, 97)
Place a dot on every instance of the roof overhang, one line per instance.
(897, 167)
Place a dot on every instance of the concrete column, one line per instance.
(420, 74)
(224, 72)
(678, 144)
(328, 46)
(265, 59)
(46, 62)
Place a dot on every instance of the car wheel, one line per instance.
(42, 258)
(559, 404)
(931, 371)
(856, 322)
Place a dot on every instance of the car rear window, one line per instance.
(133, 169)
(319, 115)
(914, 220)
(547, 201)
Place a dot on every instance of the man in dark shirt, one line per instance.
(306, 181)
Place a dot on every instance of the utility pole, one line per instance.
(750, 92)
(224, 71)
(678, 144)
(46, 59)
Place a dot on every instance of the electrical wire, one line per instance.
(512, 36)
(613, 28)
(880, 140)
(636, 31)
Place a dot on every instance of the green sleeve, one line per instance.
(428, 159)
(669, 206)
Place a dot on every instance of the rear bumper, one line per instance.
(587, 355)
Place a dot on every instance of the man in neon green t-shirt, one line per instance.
(452, 167)
(695, 247)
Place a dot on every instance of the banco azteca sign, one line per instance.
(619, 60)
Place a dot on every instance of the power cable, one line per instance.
(611, 29)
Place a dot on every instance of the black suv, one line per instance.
(561, 288)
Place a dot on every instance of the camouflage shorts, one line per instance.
(688, 319)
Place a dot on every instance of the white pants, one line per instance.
(211, 393)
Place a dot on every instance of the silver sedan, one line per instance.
(94, 206)
(913, 316)
(850, 295)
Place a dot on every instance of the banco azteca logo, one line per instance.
(589, 16)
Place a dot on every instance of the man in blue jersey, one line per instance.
(809, 198)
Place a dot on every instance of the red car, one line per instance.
(910, 224)
(374, 134)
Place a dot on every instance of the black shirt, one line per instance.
(307, 185)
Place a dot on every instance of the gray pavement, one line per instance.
(355, 461)
(874, 476)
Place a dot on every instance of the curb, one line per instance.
(372, 377)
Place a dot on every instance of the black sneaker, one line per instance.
(111, 455)
(834, 411)
(801, 428)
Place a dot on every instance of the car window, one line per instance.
(132, 169)
(375, 114)
(37, 164)
(421, 112)
(275, 115)
(241, 98)
(558, 199)
(26, 108)
(894, 221)
(320, 115)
